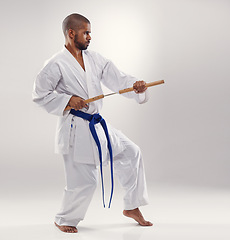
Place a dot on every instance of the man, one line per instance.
(69, 77)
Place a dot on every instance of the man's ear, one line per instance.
(71, 33)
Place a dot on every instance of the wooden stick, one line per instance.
(94, 99)
(120, 92)
(147, 85)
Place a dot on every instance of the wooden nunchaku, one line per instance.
(120, 92)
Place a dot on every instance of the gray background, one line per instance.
(183, 130)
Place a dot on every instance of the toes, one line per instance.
(67, 229)
(146, 223)
(71, 230)
(149, 223)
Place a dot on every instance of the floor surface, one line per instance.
(177, 213)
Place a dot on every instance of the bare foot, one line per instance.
(137, 216)
(67, 229)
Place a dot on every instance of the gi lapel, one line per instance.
(81, 75)
(88, 74)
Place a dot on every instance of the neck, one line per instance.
(73, 50)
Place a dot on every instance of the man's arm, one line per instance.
(44, 93)
(117, 80)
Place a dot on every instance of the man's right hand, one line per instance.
(77, 103)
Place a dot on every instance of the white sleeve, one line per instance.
(116, 80)
(44, 93)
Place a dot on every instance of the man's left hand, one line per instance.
(139, 86)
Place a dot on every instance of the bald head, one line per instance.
(74, 21)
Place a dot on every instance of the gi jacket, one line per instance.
(60, 79)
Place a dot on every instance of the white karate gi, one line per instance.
(60, 79)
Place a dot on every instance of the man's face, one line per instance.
(82, 37)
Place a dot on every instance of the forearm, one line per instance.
(116, 80)
(45, 95)
(52, 102)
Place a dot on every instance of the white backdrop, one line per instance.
(183, 130)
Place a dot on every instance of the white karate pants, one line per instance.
(82, 181)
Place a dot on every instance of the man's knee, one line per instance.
(134, 151)
(131, 153)
(82, 181)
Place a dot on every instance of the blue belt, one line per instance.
(94, 119)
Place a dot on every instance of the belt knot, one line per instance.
(97, 117)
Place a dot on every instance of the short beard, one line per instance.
(79, 45)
